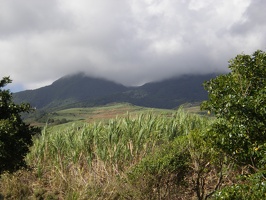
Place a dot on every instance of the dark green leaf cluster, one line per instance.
(238, 100)
(15, 135)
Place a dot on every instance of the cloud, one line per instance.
(252, 27)
(130, 42)
(33, 16)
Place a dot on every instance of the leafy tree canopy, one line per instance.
(15, 135)
(238, 100)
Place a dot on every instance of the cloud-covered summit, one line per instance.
(131, 42)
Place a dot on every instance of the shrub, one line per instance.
(161, 174)
(251, 187)
(238, 100)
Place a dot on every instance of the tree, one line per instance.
(238, 99)
(15, 135)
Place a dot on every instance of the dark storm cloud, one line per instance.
(131, 42)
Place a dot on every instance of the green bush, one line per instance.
(251, 187)
(238, 100)
(161, 174)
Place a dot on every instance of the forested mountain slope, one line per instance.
(83, 91)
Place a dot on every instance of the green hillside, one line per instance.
(82, 91)
(98, 114)
(69, 90)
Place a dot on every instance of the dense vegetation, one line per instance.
(238, 100)
(15, 135)
(157, 155)
(99, 161)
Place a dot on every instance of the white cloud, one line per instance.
(199, 4)
(127, 41)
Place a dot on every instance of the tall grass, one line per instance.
(78, 161)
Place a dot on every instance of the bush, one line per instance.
(162, 173)
(238, 100)
(186, 167)
(252, 187)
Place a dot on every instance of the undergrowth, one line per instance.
(149, 156)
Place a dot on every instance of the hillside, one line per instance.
(68, 90)
(172, 92)
(96, 114)
(83, 91)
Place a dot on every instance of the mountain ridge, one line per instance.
(79, 90)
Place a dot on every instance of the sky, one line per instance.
(128, 41)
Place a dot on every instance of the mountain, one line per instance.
(69, 90)
(83, 91)
(172, 92)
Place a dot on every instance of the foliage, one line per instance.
(251, 187)
(208, 166)
(161, 174)
(238, 100)
(15, 135)
(186, 166)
